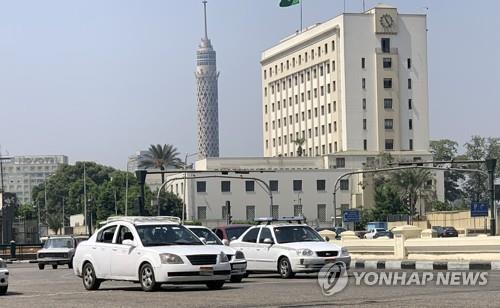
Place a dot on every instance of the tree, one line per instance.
(26, 211)
(299, 143)
(411, 184)
(446, 150)
(54, 222)
(161, 157)
(67, 183)
(480, 148)
(441, 206)
(387, 202)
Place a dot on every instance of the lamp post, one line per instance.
(185, 186)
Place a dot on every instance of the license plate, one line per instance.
(206, 271)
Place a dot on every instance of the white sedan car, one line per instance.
(288, 249)
(370, 234)
(4, 277)
(236, 258)
(151, 251)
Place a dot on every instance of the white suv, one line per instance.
(151, 251)
(288, 248)
(236, 258)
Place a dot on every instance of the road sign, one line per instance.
(478, 209)
(350, 216)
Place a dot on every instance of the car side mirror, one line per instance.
(204, 240)
(268, 241)
(225, 242)
(128, 243)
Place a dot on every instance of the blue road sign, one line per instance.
(350, 216)
(478, 209)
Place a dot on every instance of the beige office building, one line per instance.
(355, 83)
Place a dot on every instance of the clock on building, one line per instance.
(386, 21)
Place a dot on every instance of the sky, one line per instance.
(98, 80)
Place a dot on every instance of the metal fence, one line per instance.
(19, 251)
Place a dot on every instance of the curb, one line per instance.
(426, 265)
(20, 261)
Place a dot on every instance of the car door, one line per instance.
(248, 246)
(264, 251)
(101, 251)
(124, 257)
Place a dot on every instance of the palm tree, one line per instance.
(161, 157)
(299, 142)
(410, 184)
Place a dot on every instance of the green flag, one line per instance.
(285, 3)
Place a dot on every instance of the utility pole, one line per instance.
(84, 196)
(490, 165)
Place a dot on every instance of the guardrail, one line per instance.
(19, 251)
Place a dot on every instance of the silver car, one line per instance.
(58, 250)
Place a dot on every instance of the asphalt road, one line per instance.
(30, 287)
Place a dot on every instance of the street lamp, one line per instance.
(185, 186)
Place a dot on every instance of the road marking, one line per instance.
(393, 265)
(457, 266)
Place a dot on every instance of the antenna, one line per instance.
(205, 15)
(364, 10)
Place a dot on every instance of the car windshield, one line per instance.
(292, 234)
(208, 235)
(59, 243)
(164, 235)
(235, 232)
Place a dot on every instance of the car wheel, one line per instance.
(70, 264)
(236, 279)
(41, 266)
(147, 278)
(285, 268)
(215, 285)
(3, 290)
(90, 282)
(54, 266)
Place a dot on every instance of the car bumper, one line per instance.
(238, 268)
(52, 261)
(314, 264)
(4, 277)
(184, 273)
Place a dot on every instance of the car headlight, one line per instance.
(344, 252)
(305, 252)
(239, 255)
(223, 258)
(170, 258)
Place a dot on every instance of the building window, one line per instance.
(411, 144)
(320, 185)
(387, 62)
(364, 103)
(249, 185)
(365, 144)
(389, 144)
(328, 88)
(297, 185)
(409, 83)
(250, 212)
(408, 63)
(340, 162)
(363, 83)
(363, 63)
(334, 85)
(386, 44)
(329, 108)
(202, 213)
(410, 124)
(344, 184)
(388, 123)
(322, 212)
(410, 104)
(333, 45)
(225, 186)
(201, 186)
(276, 211)
(334, 106)
(297, 209)
(387, 83)
(333, 65)
(387, 103)
(329, 128)
(273, 185)
(335, 148)
(334, 126)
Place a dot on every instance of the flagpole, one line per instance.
(301, 16)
